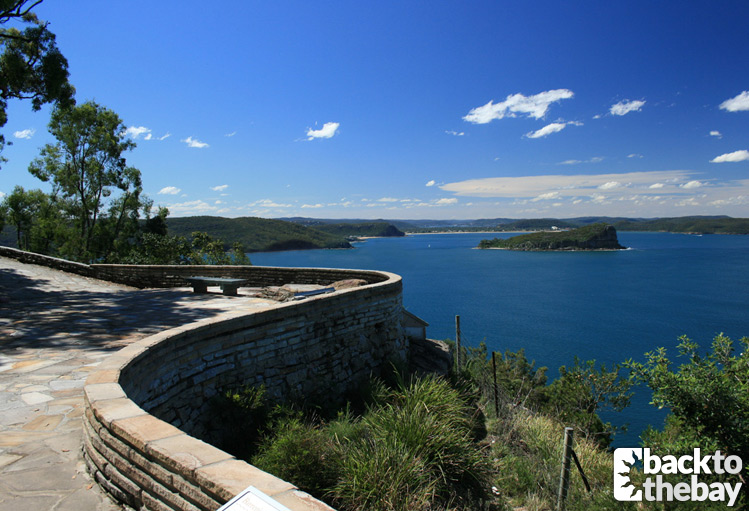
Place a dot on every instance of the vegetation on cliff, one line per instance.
(258, 234)
(362, 230)
(591, 237)
(462, 443)
(688, 224)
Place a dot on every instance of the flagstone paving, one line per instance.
(55, 328)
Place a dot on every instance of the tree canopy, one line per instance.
(88, 170)
(31, 65)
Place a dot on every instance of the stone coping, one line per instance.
(149, 463)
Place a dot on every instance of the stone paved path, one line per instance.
(55, 328)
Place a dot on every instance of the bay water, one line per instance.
(609, 306)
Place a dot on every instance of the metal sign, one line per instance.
(252, 499)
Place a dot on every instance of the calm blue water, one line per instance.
(607, 306)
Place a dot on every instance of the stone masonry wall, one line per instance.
(144, 404)
(164, 276)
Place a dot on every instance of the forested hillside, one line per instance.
(257, 234)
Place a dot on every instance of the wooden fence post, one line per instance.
(457, 341)
(496, 389)
(564, 482)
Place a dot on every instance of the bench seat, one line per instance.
(228, 286)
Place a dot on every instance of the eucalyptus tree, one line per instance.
(31, 65)
(89, 173)
(35, 216)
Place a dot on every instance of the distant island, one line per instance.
(598, 236)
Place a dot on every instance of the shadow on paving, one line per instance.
(35, 314)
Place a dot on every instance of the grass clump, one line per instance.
(528, 449)
(417, 450)
(413, 448)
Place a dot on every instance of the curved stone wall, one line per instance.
(144, 404)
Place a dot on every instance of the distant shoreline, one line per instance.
(464, 232)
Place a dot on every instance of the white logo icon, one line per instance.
(624, 460)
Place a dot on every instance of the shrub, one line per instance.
(417, 451)
(301, 453)
(238, 420)
(528, 449)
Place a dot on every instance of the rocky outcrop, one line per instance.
(429, 356)
(590, 237)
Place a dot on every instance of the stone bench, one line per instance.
(228, 286)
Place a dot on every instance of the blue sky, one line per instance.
(442, 110)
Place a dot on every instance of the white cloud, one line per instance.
(328, 130)
(610, 185)
(387, 199)
(268, 203)
(554, 127)
(231, 134)
(2, 195)
(169, 190)
(137, 131)
(165, 136)
(626, 106)
(195, 207)
(656, 186)
(594, 159)
(455, 133)
(733, 157)
(634, 155)
(737, 104)
(692, 184)
(219, 188)
(312, 206)
(716, 133)
(546, 196)
(446, 202)
(191, 142)
(27, 134)
(534, 106)
(431, 183)
(575, 185)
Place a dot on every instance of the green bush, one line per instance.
(302, 453)
(238, 420)
(417, 450)
(528, 449)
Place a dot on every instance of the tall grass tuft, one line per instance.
(417, 452)
(528, 448)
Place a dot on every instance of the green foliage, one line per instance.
(21, 209)
(300, 452)
(257, 234)
(576, 397)
(36, 217)
(520, 380)
(582, 391)
(708, 396)
(31, 65)
(528, 448)
(412, 449)
(415, 449)
(153, 248)
(364, 229)
(86, 167)
(238, 419)
(689, 224)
